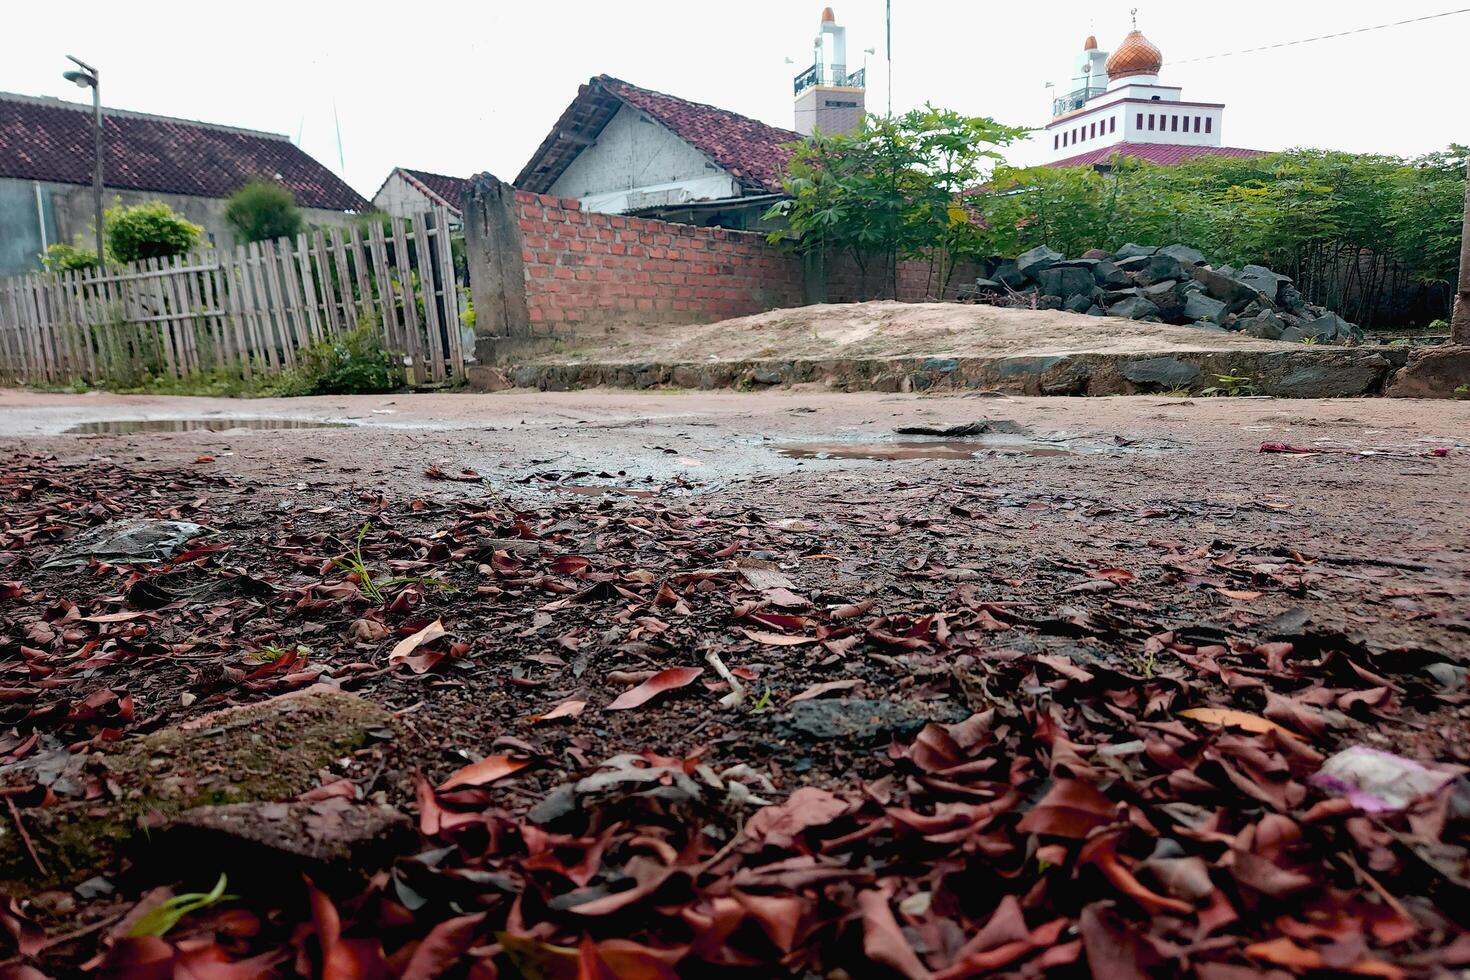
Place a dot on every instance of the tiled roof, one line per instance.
(448, 190)
(748, 149)
(52, 140)
(1163, 154)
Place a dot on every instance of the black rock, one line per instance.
(1183, 254)
(1131, 251)
(1007, 272)
(1064, 281)
(863, 719)
(1161, 267)
(1039, 258)
(1133, 308)
(1107, 274)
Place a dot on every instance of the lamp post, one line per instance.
(87, 78)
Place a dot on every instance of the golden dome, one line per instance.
(1090, 44)
(1135, 56)
(827, 16)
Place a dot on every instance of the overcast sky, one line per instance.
(459, 88)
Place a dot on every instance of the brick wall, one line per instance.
(917, 282)
(585, 270)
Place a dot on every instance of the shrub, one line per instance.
(263, 210)
(353, 364)
(148, 231)
(62, 257)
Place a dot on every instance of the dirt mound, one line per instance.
(890, 329)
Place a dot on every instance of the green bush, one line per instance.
(148, 231)
(263, 210)
(1348, 228)
(353, 364)
(62, 257)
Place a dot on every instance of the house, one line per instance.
(47, 158)
(622, 149)
(1118, 106)
(406, 193)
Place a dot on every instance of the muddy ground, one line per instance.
(977, 627)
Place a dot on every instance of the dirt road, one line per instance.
(936, 632)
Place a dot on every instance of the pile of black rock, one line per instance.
(1173, 284)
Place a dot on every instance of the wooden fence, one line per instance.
(246, 312)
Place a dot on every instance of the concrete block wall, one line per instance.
(586, 270)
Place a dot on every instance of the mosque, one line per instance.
(1119, 105)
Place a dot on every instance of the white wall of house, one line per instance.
(400, 198)
(637, 162)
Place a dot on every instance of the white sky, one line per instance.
(463, 87)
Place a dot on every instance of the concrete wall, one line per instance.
(74, 212)
(69, 213)
(637, 162)
(21, 234)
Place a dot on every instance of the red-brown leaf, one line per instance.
(664, 680)
(484, 772)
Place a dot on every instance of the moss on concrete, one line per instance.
(268, 751)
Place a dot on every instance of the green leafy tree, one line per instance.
(148, 231)
(895, 189)
(1357, 233)
(262, 210)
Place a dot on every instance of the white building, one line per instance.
(1119, 106)
(406, 193)
(830, 98)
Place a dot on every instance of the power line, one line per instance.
(1324, 37)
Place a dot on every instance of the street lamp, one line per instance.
(87, 78)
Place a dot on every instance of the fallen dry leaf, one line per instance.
(409, 644)
(664, 680)
(567, 709)
(777, 639)
(1238, 719)
(817, 690)
(484, 772)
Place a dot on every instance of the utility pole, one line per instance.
(1460, 318)
(88, 78)
(888, 48)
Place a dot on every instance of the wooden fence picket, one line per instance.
(248, 311)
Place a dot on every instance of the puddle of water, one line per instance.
(118, 427)
(596, 491)
(917, 449)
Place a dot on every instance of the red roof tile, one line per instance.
(51, 140)
(748, 149)
(1164, 154)
(447, 190)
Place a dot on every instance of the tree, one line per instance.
(1460, 318)
(895, 189)
(1356, 233)
(262, 210)
(148, 231)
